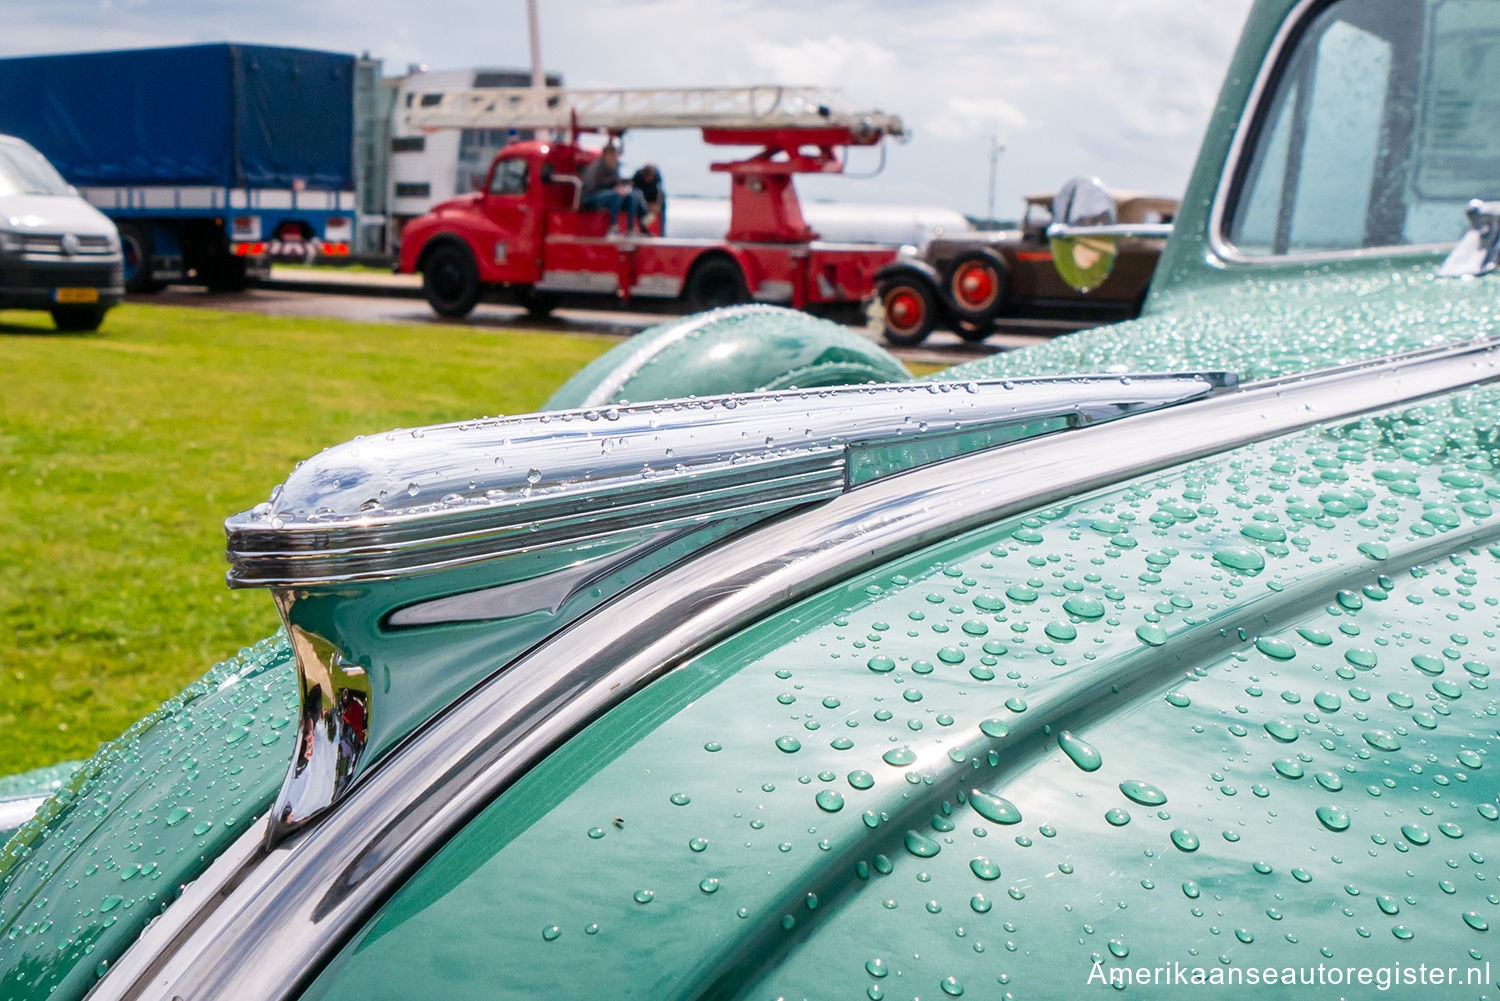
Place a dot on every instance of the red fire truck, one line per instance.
(523, 238)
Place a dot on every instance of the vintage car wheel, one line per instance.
(450, 280)
(974, 332)
(78, 319)
(976, 283)
(910, 311)
(715, 282)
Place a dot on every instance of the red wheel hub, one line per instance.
(904, 308)
(974, 285)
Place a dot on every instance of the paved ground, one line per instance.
(380, 298)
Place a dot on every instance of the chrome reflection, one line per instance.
(333, 728)
(1478, 252)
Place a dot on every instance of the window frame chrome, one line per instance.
(259, 924)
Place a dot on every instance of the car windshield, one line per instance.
(1379, 126)
(24, 171)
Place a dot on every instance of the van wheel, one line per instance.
(450, 280)
(909, 309)
(78, 319)
(716, 282)
(136, 249)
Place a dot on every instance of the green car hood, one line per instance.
(1232, 716)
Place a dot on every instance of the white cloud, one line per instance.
(1069, 86)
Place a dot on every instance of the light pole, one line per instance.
(538, 75)
(996, 148)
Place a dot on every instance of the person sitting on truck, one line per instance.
(603, 189)
(647, 181)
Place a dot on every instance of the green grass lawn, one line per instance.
(121, 454)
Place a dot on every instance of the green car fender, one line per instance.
(737, 349)
(127, 829)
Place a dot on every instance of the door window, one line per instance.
(510, 177)
(1380, 126)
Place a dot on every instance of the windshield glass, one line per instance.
(24, 171)
(1379, 128)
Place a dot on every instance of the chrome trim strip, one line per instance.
(259, 932)
(1218, 215)
(1138, 230)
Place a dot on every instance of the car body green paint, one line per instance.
(804, 897)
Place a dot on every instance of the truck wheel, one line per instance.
(136, 249)
(976, 284)
(910, 311)
(716, 282)
(450, 280)
(538, 305)
(78, 319)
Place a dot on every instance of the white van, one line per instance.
(57, 252)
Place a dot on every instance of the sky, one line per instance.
(1117, 90)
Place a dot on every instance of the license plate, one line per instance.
(76, 295)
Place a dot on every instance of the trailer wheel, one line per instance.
(715, 282)
(226, 274)
(136, 249)
(909, 309)
(450, 280)
(976, 284)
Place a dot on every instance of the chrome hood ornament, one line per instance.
(524, 524)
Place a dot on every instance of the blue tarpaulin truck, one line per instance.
(209, 158)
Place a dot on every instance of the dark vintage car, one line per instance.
(1158, 656)
(967, 282)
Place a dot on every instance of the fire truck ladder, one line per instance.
(721, 108)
